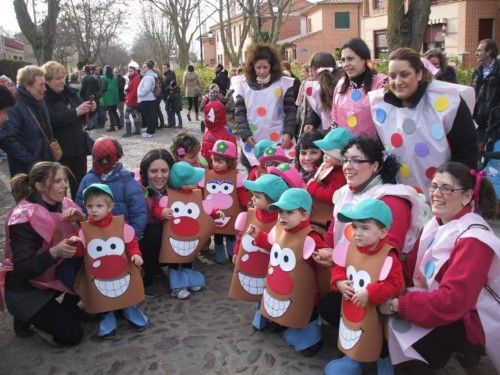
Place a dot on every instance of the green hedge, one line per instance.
(206, 75)
(10, 67)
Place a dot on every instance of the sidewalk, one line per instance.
(206, 334)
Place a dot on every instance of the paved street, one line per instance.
(208, 333)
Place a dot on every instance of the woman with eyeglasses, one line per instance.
(370, 173)
(455, 268)
(424, 121)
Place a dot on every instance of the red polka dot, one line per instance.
(261, 111)
(348, 232)
(396, 140)
(309, 91)
(430, 172)
(291, 154)
(418, 189)
(274, 136)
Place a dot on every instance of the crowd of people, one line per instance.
(362, 204)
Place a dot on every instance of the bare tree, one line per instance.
(180, 14)
(41, 35)
(406, 29)
(92, 26)
(157, 35)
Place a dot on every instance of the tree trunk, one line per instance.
(406, 29)
(41, 37)
(183, 53)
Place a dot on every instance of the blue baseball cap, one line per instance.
(261, 146)
(270, 184)
(293, 199)
(103, 188)
(183, 173)
(334, 141)
(367, 209)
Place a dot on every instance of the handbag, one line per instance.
(54, 146)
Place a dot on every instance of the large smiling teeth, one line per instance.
(113, 288)
(183, 248)
(275, 308)
(348, 337)
(253, 285)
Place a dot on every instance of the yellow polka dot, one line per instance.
(441, 104)
(404, 170)
(278, 92)
(352, 121)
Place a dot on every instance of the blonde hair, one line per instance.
(51, 68)
(99, 194)
(26, 76)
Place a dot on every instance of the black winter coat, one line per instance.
(20, 136)
(174, 99)
(168, 77)
(66, 125)
(289, 122)
(222, 80)
(487, 93)
(90, 86)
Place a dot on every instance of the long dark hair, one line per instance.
(466, 180)
(327, 79)
(306, 142)
(151, 156)
(374, 151)
(360, 48)
(258, 52)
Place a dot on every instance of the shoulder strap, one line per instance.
(39, 125)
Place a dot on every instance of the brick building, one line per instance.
(11, 49)
(456, 26)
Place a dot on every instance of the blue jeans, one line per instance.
(136, 117)
(171, 117)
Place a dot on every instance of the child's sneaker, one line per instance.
(181, 293)
(196, 288)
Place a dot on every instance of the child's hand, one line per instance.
(323, 257)
(235, 257)
(360, 298)
(72, 214)
(137, 260)
(252, 231)
(345, 288)
(73, 240)
(167, 213)
(220, 214)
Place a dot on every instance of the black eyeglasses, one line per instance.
(354, 161)
(444, 189)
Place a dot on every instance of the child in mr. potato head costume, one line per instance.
(367, 274)
(292, 287)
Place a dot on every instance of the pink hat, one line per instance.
(226, 149)
(273, 153)
(289, 174)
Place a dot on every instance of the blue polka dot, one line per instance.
(380, 115)
(248, 147)
(279, 111)
(429, 269)
(356, 95)
(437, 131)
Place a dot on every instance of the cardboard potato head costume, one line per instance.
(220, 189)
(266, 151)
(360, 328)
(109, 280)
(251, 264)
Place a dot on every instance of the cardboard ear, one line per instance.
(163, 202)
(128, 233)
(82, 237)
(271, 234)
(339, 254)
(386, 268)
(202, 183)
(239, 180)
(240, 222)
(309, 246)
(207, 207)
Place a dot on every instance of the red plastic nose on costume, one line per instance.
(254, 264)
(279, 281)
(109, 267)
(352, 312)
(185, 226)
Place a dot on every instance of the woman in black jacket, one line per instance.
(68, 116)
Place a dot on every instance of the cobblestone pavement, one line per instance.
(208, 333)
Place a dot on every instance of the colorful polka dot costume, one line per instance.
(417, 136)
(312, 91)
(351, 110)
(265, 111)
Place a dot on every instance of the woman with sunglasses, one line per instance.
(456, 267)
(370, 173)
